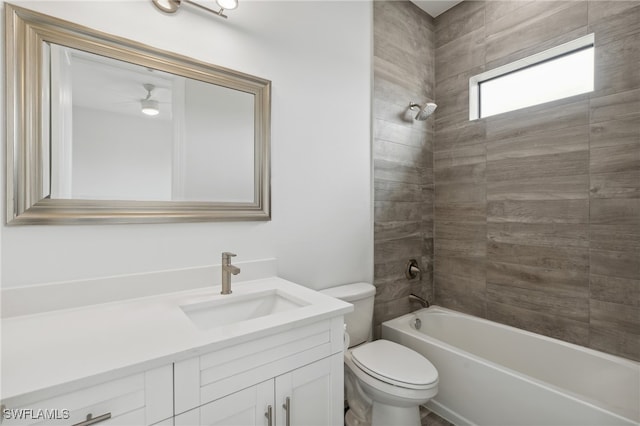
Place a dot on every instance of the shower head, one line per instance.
(423, 112)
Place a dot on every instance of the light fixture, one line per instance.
(172, 6)
(149, 106)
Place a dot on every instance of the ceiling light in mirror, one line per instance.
(150, 107)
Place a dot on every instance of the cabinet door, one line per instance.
(188, 418)
(247, 407)
(311, 395)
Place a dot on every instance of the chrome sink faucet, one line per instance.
(227, 270)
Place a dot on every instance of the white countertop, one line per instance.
(67, 349)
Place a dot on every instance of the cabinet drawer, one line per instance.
(143, 398)
(136, 417)
(211, 376)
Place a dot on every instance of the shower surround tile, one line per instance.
(461, 54)
(615, 290)
(600, 10)
(539, 321)
(460, 213)
(615, 158)
(551, 167)
(615, 132)
(463, 293)
(395, 89)
(617, 106)
(534, 49)
(539, 188)
(458, 100)
(542, 141)
(562, 114)
(555, 281)
(497, 9)
(470, 17)
(467, 164)
(539, 234)
(547, 257)
(530, 218)
(456, 131)
(404, 63)
(532, 25)
(398, 191)
(400, 153)
(390, 131)
(561, 305)
(615, 211)
(617, 264)
(614, 324)
(537, 211)
(388, 170)
(616, 65)
(614, 20)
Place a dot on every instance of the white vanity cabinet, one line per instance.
(305, 396)
(290, 378)
(140, 399)
(150, 362)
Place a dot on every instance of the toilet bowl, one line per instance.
(385, 382)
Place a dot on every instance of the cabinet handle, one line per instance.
(287, 410)
(93, 420)
(269, 415)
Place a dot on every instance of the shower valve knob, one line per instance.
(412, 270)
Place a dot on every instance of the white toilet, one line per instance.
(385, 382)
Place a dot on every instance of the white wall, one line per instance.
(318, 56)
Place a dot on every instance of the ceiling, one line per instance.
(435, 7)
(106, 84)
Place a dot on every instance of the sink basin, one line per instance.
(234, 308)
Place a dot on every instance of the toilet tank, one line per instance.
(359, 322)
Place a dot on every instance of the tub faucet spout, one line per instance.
(227, 270)
(420, 300)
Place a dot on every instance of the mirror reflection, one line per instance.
(121, 131)
(101, 129)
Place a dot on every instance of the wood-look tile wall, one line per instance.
(537, 211)
(403, 155)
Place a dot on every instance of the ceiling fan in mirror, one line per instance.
(150, 100)
(149, 106)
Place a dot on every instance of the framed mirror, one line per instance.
(102, 129)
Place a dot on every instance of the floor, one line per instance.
(428, 418)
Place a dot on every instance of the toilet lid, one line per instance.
(396, 364)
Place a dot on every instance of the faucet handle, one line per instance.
(226, 255)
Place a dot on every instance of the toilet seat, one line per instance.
(395, 364)
(386, 392)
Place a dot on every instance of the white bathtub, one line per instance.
(493, 374)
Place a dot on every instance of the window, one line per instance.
(557, 73)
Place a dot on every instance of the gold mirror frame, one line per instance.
(27, 199)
